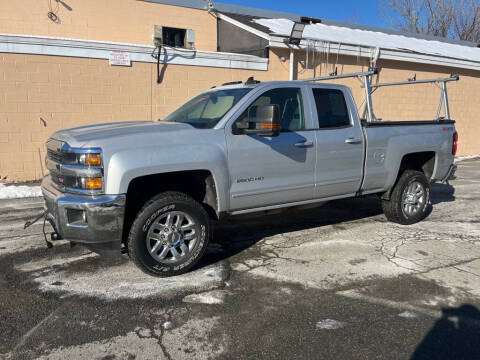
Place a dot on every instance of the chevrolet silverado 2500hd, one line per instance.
(151, 189)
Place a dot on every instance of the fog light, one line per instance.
(76, 216)
(93, 183)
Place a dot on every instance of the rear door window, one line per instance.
(331, 108)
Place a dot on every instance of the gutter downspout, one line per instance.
(292, 62)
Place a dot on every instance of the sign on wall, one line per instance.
(119, 58)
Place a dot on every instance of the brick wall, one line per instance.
(129, 21)
(67, 92)
(417, 102)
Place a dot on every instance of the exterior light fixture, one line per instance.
(296, 34)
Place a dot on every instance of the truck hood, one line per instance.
(79, 136)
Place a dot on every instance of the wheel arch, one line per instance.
(199, 184)
(423, 161)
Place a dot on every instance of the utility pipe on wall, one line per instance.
(292, 63)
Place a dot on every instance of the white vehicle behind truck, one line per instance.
(152, 189)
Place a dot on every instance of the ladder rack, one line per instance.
(343, 76)
(371, 88)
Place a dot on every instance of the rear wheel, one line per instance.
(409, 199)
(169, 235)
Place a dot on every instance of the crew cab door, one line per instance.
(340, 142)
(273, 170)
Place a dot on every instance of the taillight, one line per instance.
(455, 144)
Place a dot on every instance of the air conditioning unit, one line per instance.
(173, 37)
(190, 39)
(157, 35)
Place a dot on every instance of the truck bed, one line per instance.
(388, 142)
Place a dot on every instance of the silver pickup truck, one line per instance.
(152, 188)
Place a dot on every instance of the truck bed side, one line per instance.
(387, 143)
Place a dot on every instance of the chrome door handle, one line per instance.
(304, 144)
(353, 141)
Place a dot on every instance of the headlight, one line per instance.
(85, 157)
(75, 169)
(91, 159)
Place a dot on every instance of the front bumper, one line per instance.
(94, 221)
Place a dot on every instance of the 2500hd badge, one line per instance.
(244, 180)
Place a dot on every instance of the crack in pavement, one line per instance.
(419, 237)
(23, 340)
(153, 335)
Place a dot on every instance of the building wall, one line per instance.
(40, 94)
(412, 102)
(128, 21)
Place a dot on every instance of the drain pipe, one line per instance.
(292, 63)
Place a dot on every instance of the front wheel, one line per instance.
(409, 199)
(169, 235)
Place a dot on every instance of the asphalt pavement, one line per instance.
(332, 282)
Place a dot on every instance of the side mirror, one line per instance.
(263, 120)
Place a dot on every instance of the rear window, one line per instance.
(331, 108)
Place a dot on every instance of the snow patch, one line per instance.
(239, 267)
(344, 35)
(408, 314)
(286, 290)
(19, 191)
(167, 325)
(210, 297)
(330, 324)
(119, 280)
(463, 158)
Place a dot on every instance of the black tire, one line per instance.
(393, 209)
(162, 205)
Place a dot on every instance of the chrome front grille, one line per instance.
(54, 155)
(54, 160)
(54, 150)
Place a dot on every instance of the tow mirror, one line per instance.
(263, 120)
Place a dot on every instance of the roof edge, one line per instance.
(243, 10)
(223, 7)
(388, 54)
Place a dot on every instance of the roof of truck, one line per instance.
(278, 83)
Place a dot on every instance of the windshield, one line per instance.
(205, 110)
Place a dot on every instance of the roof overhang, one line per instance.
(385, 54)
(356, 50)
(244, 26)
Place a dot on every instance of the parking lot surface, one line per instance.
(336, 281)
